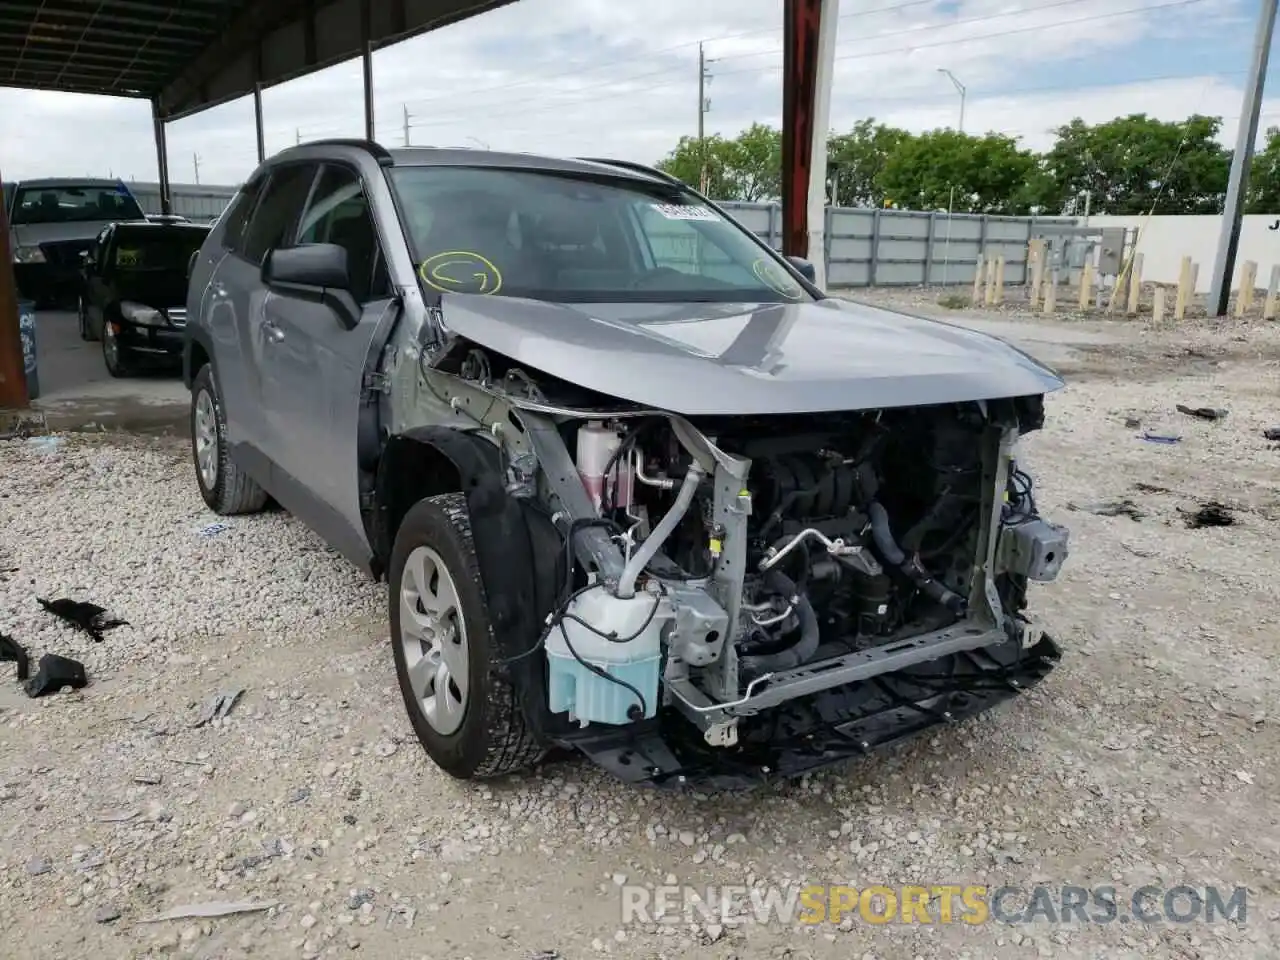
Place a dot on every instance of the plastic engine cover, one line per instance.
(584, 694)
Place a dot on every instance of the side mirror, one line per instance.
(313, 271)
(804, 268)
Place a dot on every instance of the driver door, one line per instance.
(313, 366)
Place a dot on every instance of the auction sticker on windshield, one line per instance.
(676, 211)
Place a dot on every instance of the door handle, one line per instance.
(274, 333)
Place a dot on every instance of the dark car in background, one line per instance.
(134, 291)
(53, 221)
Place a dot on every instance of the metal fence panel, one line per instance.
(869, 247)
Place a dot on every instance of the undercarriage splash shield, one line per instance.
(825, 728)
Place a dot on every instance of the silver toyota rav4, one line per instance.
(638, 487)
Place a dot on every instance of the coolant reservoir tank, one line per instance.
(584, 694)
(595, 448)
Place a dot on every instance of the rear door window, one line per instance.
(237, 215)
(276, 215)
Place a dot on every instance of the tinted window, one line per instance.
(561, 237)
(73, 203)
(156, 248)
(339, 214)
(277, 212)
(237, 214)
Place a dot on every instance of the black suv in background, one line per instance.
(134, 291)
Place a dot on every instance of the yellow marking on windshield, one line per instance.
(128, 257)
(777, 279)
(461, 271)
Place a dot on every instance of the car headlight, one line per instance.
(141, 314)
(28, 255)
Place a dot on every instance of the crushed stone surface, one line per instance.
(1148, 757)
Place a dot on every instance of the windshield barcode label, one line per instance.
(673, 211)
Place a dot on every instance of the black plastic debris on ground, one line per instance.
(11, 652)
(1211, 514)
(87, 617)
(1271, 433)
(1111, 508)
(1202, 413)
(53, 673)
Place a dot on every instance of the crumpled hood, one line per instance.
(714, 358)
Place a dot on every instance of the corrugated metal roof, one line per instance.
(188, 55)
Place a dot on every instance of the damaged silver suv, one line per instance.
(637, 486)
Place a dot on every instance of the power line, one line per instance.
(565, 97)
(611, 64)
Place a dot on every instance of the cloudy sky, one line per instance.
(620, 78)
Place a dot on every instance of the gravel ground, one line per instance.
(1147, 757)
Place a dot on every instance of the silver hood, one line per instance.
(711, 358)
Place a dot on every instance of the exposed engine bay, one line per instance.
(767, 593)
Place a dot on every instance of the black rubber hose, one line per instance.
(803, 649)
(883, 536)
(910, 567)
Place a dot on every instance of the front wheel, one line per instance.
(117, 357)
(468, 721)
(225, 487)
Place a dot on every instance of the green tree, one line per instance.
(1264, 176)
(714, 155)
(756, 163)
(944, 169)
(1135, 164)
(856, 158)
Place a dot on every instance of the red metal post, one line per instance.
(799, 91)
(13, 373)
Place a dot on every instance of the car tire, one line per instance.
(85, 332)
(118, 358)
(476, 731)
(224, 485)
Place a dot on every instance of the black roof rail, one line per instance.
(636, 167)
(379, 152)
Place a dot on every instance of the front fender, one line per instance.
(518, 549)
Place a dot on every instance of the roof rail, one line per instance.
(380, 153)
(637, 167)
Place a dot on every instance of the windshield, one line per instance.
(74, 204)
(547, 236)
(156, 248)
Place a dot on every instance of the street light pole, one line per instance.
(959, 89)
(1238, 185)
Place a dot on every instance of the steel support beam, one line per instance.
(257, 122)
(162, 156)
(808, 61)
(13, 374)
(1238, 186)
(366, 37)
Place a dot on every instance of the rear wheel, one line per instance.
(86, 333)
(467, 720)
(225, 487)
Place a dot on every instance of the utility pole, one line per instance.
(704, 104)
(960, 90)
(406, 124)
(1237, 187)
(297, 136)
(195, 162)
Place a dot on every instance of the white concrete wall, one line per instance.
(1166, 240)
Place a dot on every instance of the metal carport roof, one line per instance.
(188, 55)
